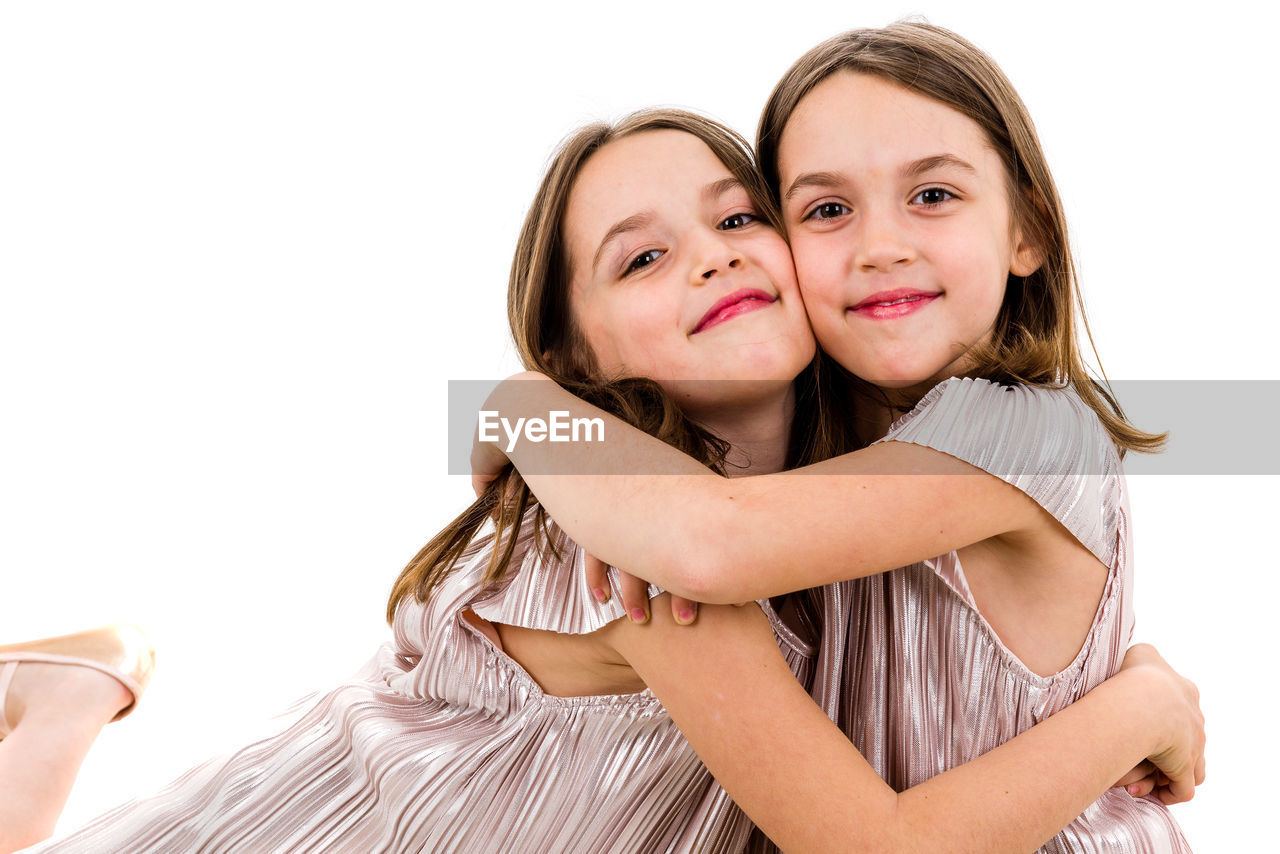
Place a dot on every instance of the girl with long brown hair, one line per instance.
(931, 249)
(516, 712)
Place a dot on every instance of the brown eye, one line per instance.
(828, 210)
(738, 220)
(932, 197)
(644, 259)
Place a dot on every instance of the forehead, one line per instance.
(659, 171)
(862, 120)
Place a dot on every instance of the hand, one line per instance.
(1178, 762)
(635, 594)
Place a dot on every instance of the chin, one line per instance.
(893, 383)
(902, 367)
(773, 365)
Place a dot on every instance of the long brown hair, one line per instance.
(548, 340)
(1034, 341)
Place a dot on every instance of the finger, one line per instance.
(684, 610)
(597, 578)
(1200, 770)
(635, 596)
(1141, 770)
(1181, 788)
(1175, 794)
(1142, 788)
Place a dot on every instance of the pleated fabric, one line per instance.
(443, 743)
(915, 675)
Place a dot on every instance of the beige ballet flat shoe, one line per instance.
(120, 651)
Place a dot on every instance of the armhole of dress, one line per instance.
(483, 626)
(1050, 445)
(788, 636)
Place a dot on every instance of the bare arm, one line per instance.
(726, 685)
(729, 540)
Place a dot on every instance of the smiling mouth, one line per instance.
(887, 305)
(735, 304)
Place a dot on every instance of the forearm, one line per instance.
(804, 783)
(644, 506)
(1020, 794)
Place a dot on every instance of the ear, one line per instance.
(1026, 256)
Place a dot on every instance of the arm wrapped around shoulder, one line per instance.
(1047, 442)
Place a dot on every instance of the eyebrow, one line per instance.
(634, 222)
(910, 170)
(936, 161)
(716, 189)
(814, 179)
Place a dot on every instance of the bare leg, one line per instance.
(56, 712)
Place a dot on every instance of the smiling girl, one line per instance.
(931, 250)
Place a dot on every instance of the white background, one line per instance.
(244, 245)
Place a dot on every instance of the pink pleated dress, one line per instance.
(915, 675)
(443, 743)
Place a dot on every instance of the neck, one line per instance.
(758, 431)
(877, 408)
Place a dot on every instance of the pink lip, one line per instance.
(887, 305)
(735, 304)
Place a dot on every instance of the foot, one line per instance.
(66, 693)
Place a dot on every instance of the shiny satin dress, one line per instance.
(915, 675)
(442, 743)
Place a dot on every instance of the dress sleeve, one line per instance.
(1047, 442)
(546, 588)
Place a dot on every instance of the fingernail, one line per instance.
(1133, 788)
(600, 595)
(638, 615)
(686, 615)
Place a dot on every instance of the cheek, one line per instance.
(632, 336)
(595, 318)
(974, 261)
(774, 257)
(818, 272)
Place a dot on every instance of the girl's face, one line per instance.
(899, 218)
(674, 277)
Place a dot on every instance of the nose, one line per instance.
(733, 264)
(883, 243)
(715, 257)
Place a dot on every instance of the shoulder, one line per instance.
(545, 586)
(1045, 441)
(1006, 428)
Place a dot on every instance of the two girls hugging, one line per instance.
(927, 519)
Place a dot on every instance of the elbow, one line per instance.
(705, 554)
(706, 573)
